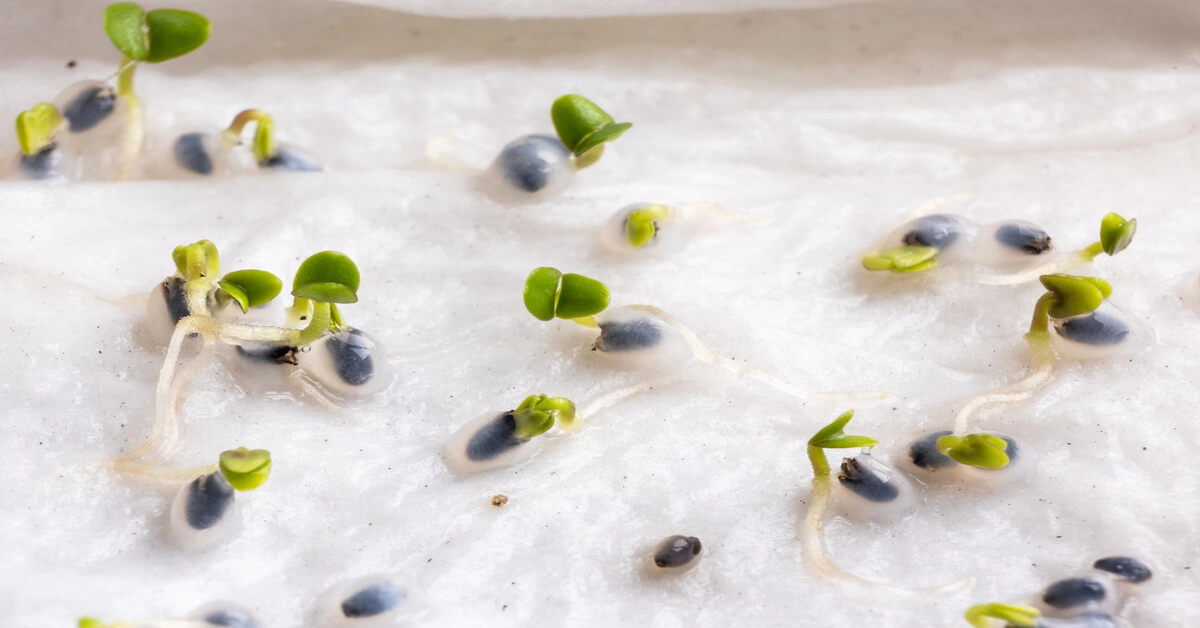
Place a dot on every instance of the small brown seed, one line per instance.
(499, 500)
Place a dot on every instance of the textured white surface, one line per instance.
(833, 122)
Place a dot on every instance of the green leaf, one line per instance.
(251, 288)
(985, 451)
(641, 225)
(329, 277)
(197, 259)
(125, 24)
(580, 296)
(541, 292)
(537, 414)
(831, 436)
(582, 126)
(245, 469)
(905, 259)
(1019, 616)
(1116, 233)
(37, 126)
(173, 33)
(1075, 295)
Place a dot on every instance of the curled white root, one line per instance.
(1042, 374)
(605, 401)
(814, 546)
(171, 475)
(708, 356)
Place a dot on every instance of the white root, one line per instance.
(1062, 264)
(170, 475)
(605, 401)
(708, 356)
(814, 546)
(1042, 374)
(720, 210)
(452, 154)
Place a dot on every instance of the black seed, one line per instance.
(89, 108)
(1128, 569)
(866, 482)
(42, 164)
(1073, 592)
(208, 498)
(287, 158)
(1023, 238)
(494, 438)
(938, 231)
(351, 354)
(192, 154)
(176, 297)
(925, 455)
(524, 162)
(374, 600)
(230, 619)
(270, 355)
(677, 551)
(1097, 329)
(628, 335)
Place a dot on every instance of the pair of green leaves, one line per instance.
(326, 277)
(245, 469)
(832, 437)
(1075, 295)
(1020, 616)
(1116, 233)
(154, 36)
(984, 451)
(550, 293)
(904, 259)
(582, 126)
(641, 225)
(37, 126)
(537, 414)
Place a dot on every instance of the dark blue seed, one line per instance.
(526, 164)
(1023, 238)
(89, 108)
(192, 154)
(925, 455)
(938, 231)
(269, 355)
(375, 600)
(1097, 329)
(1128, 569)
(628, 335)
(866, 482)
(288, 158)
(176, 297)
(677, 551)
(494, 438)
(208, 498)
(230, 619)
(1073, 592)
(351, 354)
(42, 164)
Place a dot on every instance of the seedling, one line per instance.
(1008, 248)
(833, 437)
(205, 154)
(100, 110)
(497, 440)
(322, 348)
(537, 167)
(650, 229)
(642, 335)
(1087, 601)
(1066, 314)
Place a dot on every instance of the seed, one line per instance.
(925, 455)
(374, 600)
(1128, 569)
(1098, 329)
(937, 230)
(89, 108)
(1023, 237)
(208, 498)
(861, 476)
(1074, 592)
(677, 554)
(44, 164)
(629, 335)
(499, 500)
(531, 163)
(192, 153)
(294, 158)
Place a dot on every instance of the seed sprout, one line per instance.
(1087, 601)
(213, 154)
(642, 336)
(538, 167)
(654, 229)
(676, 554)
(95, 129)
(326, 356)
(832, 437)
(1013, 251)
(994, 457)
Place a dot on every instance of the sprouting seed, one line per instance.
(535, 164)
(346, 363)
(205, 512)
(1096, 329)
(939, 231)
(872, 490)
(494, 440)
(1074, 592)
(1130, 570)
(677, 554)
